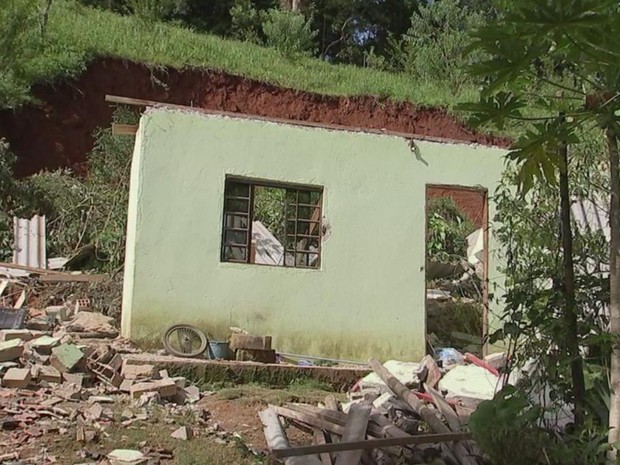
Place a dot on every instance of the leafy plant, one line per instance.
(269, 210)
(447, 231)
(289, 32)
(435, 46)
(20, 41)
(152, 10)
(505, 428)
(245, 21)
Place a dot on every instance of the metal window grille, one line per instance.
(302, 213)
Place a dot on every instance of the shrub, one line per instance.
(447, 231)
(19, 42)
(289, 32)
(435, 46)
(79, 211)
(152, 10)
(245, 21)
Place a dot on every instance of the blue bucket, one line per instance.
(219, 350)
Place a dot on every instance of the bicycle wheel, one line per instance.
(185, 341)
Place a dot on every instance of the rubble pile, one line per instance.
(62, 374)
(413, 413)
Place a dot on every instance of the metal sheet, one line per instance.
(29, 242)
(591, 215)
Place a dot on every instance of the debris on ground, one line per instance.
(65, 369)
(416, 413)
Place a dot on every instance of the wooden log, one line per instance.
(276, 439)
(19, 303)
(319, 438)
(31, 269)
(454, 422)
(337, 418)
(310, 419)
(370, 444)
(71, 278)
(124, 129)
(354, 430)
(331, 403)
(435, 423)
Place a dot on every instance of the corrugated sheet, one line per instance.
(29, 242)
(591, 215)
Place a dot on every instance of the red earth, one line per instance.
(57, 131)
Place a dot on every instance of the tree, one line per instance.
(435, 45)
(20, 42)
(535, 49)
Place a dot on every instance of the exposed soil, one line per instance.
(470, 202)
(57, 132)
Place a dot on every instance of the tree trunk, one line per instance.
(614, 291)
(570, 312)
(292, 5)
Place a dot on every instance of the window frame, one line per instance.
(288, 253)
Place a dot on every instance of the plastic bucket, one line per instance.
(219, 350)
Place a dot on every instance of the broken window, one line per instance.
(272, 224)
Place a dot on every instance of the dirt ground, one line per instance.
(225, 423)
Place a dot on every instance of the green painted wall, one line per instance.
(368, 297)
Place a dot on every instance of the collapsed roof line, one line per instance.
(336, 127)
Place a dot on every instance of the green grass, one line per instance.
(155, 433)
(78, 34)
(256, 394)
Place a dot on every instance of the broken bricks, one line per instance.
(11, 350)
(164, 387)
(22, 334)
(184, 433)
(66, 357)
(44, 344)
(17, 378)
(135, 372)
(47, 373)
(68, 391)
(126, 457)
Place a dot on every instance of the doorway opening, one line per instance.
(456, 270)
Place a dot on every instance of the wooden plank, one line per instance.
(331, 403)
(354, 430)
(337, 418)
(20, 300)
(124, 129)
(72, 278)
(3, 285)
(454, 422)
(310, 419)
(370, 444)
(277, 440)
(31, 269)
(319, 438)
(420, 408)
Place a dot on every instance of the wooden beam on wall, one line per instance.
(124, 129)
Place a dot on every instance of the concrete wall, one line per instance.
(368, 297)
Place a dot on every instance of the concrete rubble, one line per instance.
(65, 378)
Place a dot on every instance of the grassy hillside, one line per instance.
(77, 34)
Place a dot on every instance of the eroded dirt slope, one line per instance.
(57, 132)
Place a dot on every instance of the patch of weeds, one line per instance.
(256, 394)
(310, 383)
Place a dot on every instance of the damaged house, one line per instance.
(315, 235)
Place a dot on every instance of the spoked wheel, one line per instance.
(185, 341)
